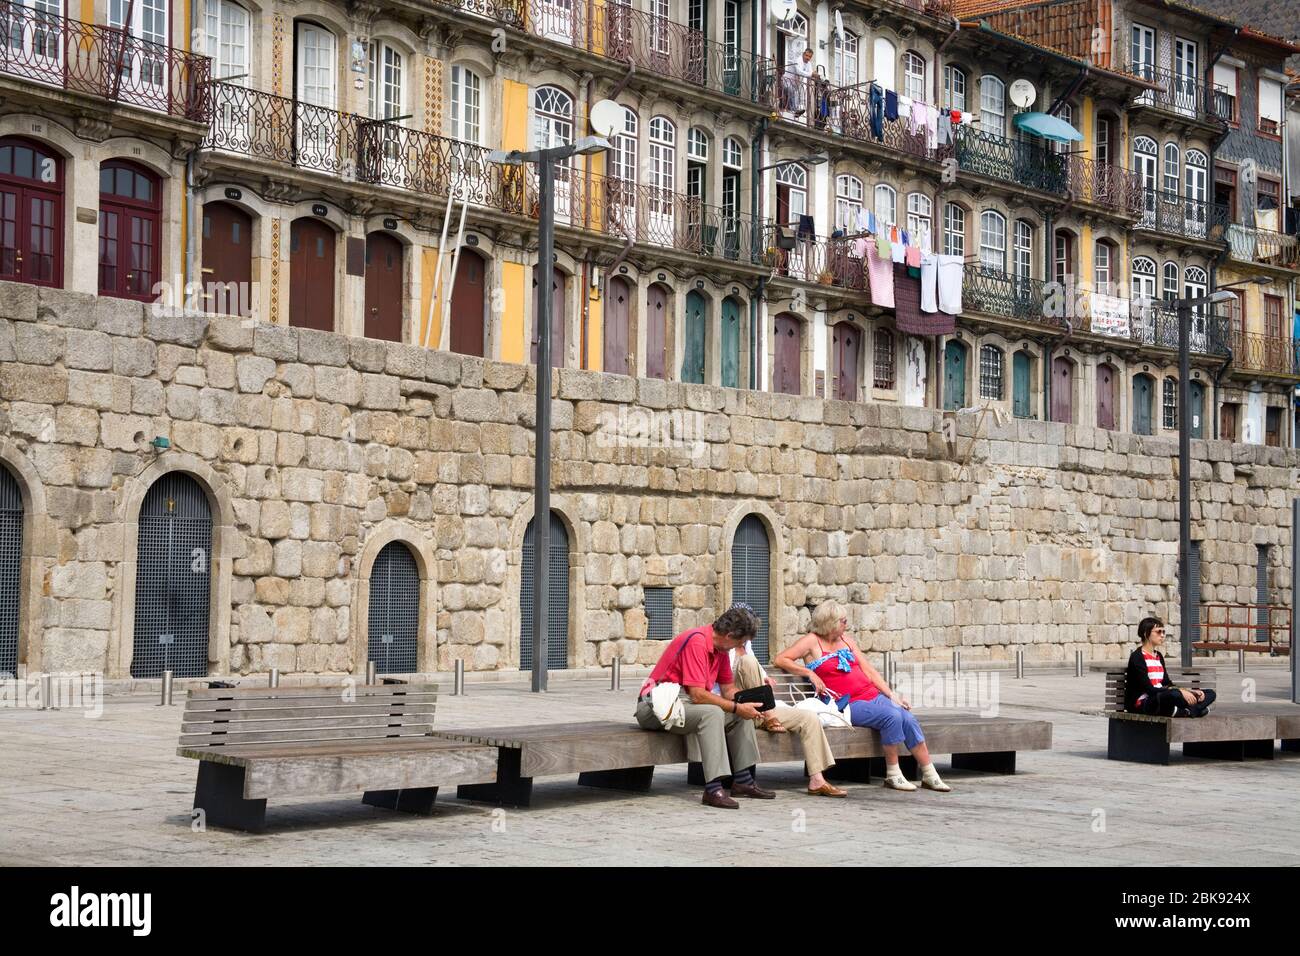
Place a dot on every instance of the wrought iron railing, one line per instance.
(102, 61)
(1105, 184)
(1010, 160)
(1154, 323)
(1177, 215)
(1249, 244)
(1262, 353)
(1225, 106)
(999, 293)
(1178, 93)
(825, 261)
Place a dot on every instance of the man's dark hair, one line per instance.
(738, 623)
(1147, 625)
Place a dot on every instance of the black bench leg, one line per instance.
(219, 794)
(418, 800)
(852, 770)
(999, 761)
(1138, 741)
(1290, 746)
(1229, 749)
(510, 790)
(629, 778)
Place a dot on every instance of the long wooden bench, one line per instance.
(1228, 732)
(256, 743)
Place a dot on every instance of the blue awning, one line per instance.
(1048, 127)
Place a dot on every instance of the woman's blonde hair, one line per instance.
(826, 618)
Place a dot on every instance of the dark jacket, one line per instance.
(1137, 682)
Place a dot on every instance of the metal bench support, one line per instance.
(1229, 749)
(1137, 741)
(510, 790)
(219, 793)
(636, 779)
(999, 761)
(417, 800)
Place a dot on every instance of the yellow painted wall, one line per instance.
(513, 277)
(429, 282)
(514, 112)
(595, 330)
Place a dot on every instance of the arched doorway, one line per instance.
(1144, 391)
(173, 579)
(1063, 391)
(11, 552)
(557, 617)
(227, 259)
(656, 331)
(130, 223)
(846, 347)
(751, 568)
(557, 317)
(1021, 403)
(469, 304)
(384, 260)
(393, 622)
(31, 213)
(787, 367)
(311, 274)
(697, 323)
(1106, 398)
(730, 343)
(617, 328)
(954, 375)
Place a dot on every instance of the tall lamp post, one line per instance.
(545, 159)
(1184, 307)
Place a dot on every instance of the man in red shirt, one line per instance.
(696, 660)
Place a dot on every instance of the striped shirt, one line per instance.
(1155, 673)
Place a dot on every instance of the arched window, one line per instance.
(791, 193)
(1170, 281)
(884, 59)
(991, 373)
(954, 230)
(954, 88)
(732, 153)
(1144, 279)
(993, 105)
(914, 75)
(386, 97)
(848, 202)
(919, 211)
(1102, 262)
(317, 64)
(1195, 284)
(993, 241)
(1197, 179)
(697, 158)
(1023, 250)
(466, 105)
(1144, 164)
(130, 214)
(663, 154)
(882, 372)
(697, 144)
(844, 66)
(31, 213)
(552, 117)
(1172, 170)
(393, 617)
(886, 202)
(623, 157)
(1170, 404)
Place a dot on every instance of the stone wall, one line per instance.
(316, 449)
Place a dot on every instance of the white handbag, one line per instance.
(826, 713)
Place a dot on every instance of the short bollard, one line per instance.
(956, 663)
(1078, 663)
(458, 679)
(274, 679)
(47, 692)
(616, 674)
(166, 689)
(372, 672)
(1020, 665)
(889, 668)
(1241, 662)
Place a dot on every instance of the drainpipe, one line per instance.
(191, 262)
(756, 240)
(754, 299)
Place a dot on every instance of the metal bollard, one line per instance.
(274, 680)
(1078, 663)
(458, 679)
(889, 668)
(372, 672)
(47, 692)
(166, 700)
(1241, 662)
(956, 663)
(1020, 665)
(616, 674)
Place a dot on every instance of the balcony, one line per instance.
(1155, 324)
(819, 260)
(997, 157)
(103, 62)
(1177, 93)
(1176, 215)
(652, 44)
(1263, 246)
(1105, 185)
(1262, 353)
(994, 292)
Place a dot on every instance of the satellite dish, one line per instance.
(783, 10)
(1022, 93)
(606, 118)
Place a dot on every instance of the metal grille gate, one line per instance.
(1194, 576)
(11, 550)
(1262, 596)
(557, 623)
(751, 561)
(659, 613)
(394, 619)
(173, 580)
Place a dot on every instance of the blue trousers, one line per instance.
(896, 725)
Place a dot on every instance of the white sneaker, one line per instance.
(936, 785)
(899, 782)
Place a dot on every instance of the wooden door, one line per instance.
(954, 375)
(656, 331)
(1106, 396)
(618, 323)
(786, 367)
(693, 351)
(469, 304)
(846, 342)
(1020, 404)
(557, 317)
(311, 275)
(1228, 421)
(384, 287)
(227, 259)
(1197, 401)
(1143, 393)
(1063, 391)
(730, 343)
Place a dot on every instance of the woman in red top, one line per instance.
(832, 661)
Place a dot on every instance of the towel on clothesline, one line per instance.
(880, 272)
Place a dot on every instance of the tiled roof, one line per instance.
(1274, 18)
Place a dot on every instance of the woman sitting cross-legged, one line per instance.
(1147, 686)
(832, 661)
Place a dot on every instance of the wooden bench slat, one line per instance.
(289, 736)
(240, 753)
(308, 713)
(335, 693)
(290, 725)
(299, 703)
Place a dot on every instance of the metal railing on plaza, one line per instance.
(1261, 628)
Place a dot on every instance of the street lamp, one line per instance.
(1184, 308)
(545, 159)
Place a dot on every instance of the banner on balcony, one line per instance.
(1109, 315)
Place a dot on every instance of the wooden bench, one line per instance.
(1228, 732)
(257, 743)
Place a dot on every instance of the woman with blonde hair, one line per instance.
(837, 668)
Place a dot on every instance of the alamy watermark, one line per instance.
(631, 427)
(84, 692)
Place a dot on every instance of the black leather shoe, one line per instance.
(752, 790)
(719, 799)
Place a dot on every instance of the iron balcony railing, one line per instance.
(824, 261)
(1010, 160)
(1105, 185)
(1249, 244)
(1262, 353)
(101, 61)
(1177, 92)
(1155, 324)
(651, 43)
(994, 292)
(1168, 212)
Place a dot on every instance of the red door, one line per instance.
(618, 320)
(130, 215)
(786, 367)
(31, 213)
(311, 275)
(1063, 391)
(845, 343)
(468, 304)
(383, 287)
(1106, 396)
(227, 259)
(557, 317)
(656, 331)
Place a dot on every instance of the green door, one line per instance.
(954, 376)
(1020, 385)
(1143, 391)
(1197, 421)
(693, 353)
(730, 343)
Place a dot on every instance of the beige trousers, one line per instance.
(804, 724)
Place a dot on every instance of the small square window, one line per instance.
(659, 613)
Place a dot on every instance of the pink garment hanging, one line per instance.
(881, 273)
(914, 256)
(860, 246)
